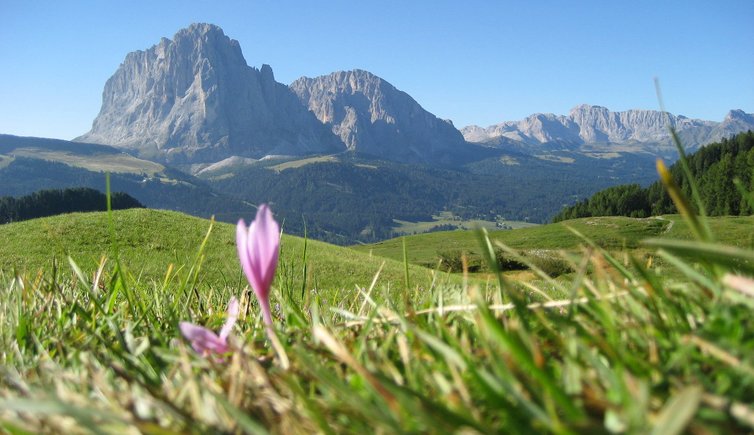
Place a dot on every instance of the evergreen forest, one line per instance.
(716, 168)
(51, 202)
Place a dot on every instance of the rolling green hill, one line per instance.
(30, 164)
(150, 240)
(92, 157)
(612, 233)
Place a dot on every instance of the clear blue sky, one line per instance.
(474, 62)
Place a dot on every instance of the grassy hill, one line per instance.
(150, 240)
(608, 232)
(91, 157)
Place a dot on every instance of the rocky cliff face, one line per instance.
(194, 98)
(372, 117)
(587, 125)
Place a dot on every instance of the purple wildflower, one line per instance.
(206, 342)
(258, 249)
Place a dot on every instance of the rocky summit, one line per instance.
(372, 117)
(194, 99)
(592, 125)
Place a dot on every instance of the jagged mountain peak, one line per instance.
(372, 116)
(194, 99)
(198, 41)
(200, 29)
(208, 38)
(586, 108)
(739, 115)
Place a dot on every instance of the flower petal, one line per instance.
(740, 283)
(258, 251)
(202, 339)
(265, 245)
(255, 274)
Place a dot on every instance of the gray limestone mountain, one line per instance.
(372, 117)
(591, 126)
(194, 99)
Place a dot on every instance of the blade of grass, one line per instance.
(243, 420)
(678, 412)
(704, 225)
(714, 253)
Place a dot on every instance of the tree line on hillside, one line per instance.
(58, 201)
(171, 190)
(714, 167)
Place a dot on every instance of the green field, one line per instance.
(447, 218)
(303, 162)
(151, 240)
(612, 233)
(5, 161)
(102, 162)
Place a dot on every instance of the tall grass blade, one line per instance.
(405, 266)
(704, 228)
(678, 412)
(90, 419)
(247, 424)
(698, 226)
(712, 253)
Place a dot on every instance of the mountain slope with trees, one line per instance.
(347, 199)
(59, 201)
(715, 167)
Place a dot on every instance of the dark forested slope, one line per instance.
(714, 167)
(58, 201)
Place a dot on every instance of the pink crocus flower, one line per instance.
(206, 342)
(258, 249)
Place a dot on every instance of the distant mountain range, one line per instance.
(590, 127)
(194, 99)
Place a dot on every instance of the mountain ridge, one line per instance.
(590, 124)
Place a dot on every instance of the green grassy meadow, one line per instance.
(610, 233)
(616, 346)
(447, 218)
(114, 163)
(302, 162)
(150, 241)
